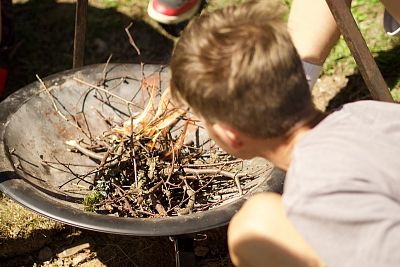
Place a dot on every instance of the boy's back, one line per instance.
(238, 69)
(342, 190)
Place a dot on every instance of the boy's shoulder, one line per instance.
(358, 140)
(367, 108)
(350, 138)
(357, 116)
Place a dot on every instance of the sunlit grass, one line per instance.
(369, 17)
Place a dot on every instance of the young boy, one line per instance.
(239, 71)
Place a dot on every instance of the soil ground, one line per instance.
(44, 30)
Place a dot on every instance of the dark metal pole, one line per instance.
(184, 251)
(80, 33)
(354, 39)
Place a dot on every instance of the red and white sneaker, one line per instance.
(172, 11)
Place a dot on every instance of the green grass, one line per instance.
(368, 15)
(365, 13)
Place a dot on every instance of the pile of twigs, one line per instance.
(148, 168)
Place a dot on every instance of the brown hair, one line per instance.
(238, 65)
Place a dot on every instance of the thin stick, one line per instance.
(69, 164)
(81, 178)
(131, 41)
(87, 152)
(84, 115)
(237, 181)
(55, 105)
(157, 205)
(105, 69)
(212, 164)
(154, 188)
(212, 171)
(133, 156)
(192, 197)
(105, 91)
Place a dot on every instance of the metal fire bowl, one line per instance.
(31, 130)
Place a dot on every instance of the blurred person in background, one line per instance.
(6, 42)
(311, 25)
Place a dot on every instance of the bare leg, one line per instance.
(314, 32)
(313, 29)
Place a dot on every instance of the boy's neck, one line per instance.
(279, 150)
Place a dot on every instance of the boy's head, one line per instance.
(238, 66)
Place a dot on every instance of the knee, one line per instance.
(260, 233)
(248, 233)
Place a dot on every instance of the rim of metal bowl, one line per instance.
(26, 194)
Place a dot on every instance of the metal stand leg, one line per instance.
(359, 49)
(184, 251)
(80, 33)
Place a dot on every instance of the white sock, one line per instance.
(312, 72)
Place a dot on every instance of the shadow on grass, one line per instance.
(45, 32)
(113, 250)
(23, 251)
(356, 89)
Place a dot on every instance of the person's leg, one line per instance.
(314, 32)
(313, 29)
(261, 235)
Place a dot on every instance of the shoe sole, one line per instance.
(171, 19)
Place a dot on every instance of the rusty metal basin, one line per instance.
(32, 130)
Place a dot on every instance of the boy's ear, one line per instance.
(228, 135)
